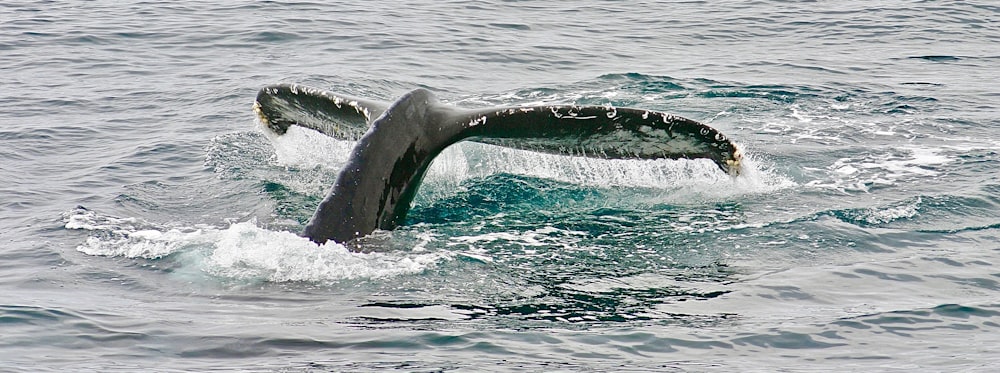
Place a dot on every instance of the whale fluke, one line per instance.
(397, 142)
(343, 117)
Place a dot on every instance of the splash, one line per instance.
(678, 180)
(242, 251)
(305, 148)
(245, 251)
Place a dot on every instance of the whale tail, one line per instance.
(397, 142)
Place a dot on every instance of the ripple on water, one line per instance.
(865, 240)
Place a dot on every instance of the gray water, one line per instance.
(147, 223)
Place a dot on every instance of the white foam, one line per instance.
(891, 213)
(546, 236)
(127, 237)
(882, 169)
(148, 244)
(242, 251)
(88, 220)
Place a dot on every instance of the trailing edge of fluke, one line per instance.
(397, 141)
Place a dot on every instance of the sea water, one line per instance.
(148, 223)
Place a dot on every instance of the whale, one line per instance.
(395, 143)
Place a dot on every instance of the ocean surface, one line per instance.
(148, 224)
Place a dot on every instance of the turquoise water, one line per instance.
(146, 223)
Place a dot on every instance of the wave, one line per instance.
(926, 214)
